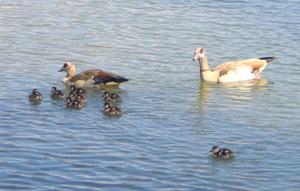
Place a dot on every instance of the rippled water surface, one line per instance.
(171, 119)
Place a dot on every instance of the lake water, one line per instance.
(171, 119)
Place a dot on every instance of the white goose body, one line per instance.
(234, 71)
(239, 73)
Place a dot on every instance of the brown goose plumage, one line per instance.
(90, 77)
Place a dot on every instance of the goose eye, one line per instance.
(201, 50)
(65, 65)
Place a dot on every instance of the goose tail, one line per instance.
(268, 59)
(120, 79)
(116, 79)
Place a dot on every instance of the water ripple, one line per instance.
(170, 119)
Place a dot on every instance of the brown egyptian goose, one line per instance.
(90, 78)
(231, 71)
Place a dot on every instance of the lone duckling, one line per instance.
(221, 153)
(35, 96)
(56, 94)
(111, 97)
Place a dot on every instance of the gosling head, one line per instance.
(215, 149)
(106, 105)
(105, 94)
(81, 91)
(53, 89)
(68, 100)
(72, 88)
(34, 91)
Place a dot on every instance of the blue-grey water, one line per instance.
(171, 119)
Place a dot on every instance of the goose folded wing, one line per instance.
(106, 77)
(257, 65)
(86, 75)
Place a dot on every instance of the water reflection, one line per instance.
(238, 91)
(247, 85)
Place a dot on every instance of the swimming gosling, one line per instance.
(111, 110)
(221, 153)
(35, 96)
(111, 97)
(57, 94)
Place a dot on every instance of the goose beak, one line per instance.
(195, 57)
(62, 69)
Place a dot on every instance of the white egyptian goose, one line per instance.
(231, 71)
(90, 78)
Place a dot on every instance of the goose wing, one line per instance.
(85, 75)
(106, 77)
(256, 64)
(99, 76)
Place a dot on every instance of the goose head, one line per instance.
(199, 54)
(69, 68)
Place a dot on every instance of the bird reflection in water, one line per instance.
(239, 91)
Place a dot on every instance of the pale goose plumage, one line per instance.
(90, 78)
(231, 71)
